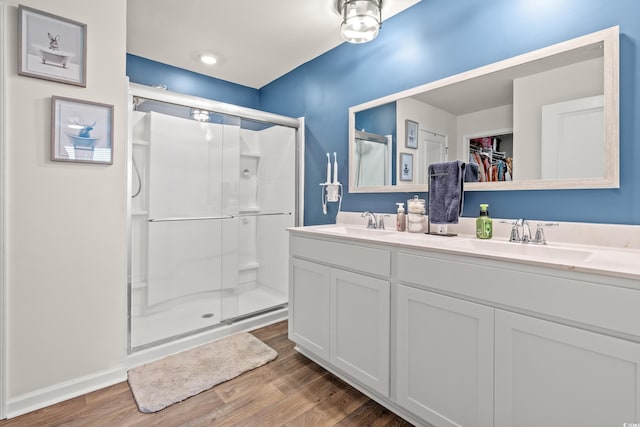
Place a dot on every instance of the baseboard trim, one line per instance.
(63, 391)
(69, 389)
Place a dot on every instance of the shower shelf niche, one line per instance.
(250, 154)
(249, 266)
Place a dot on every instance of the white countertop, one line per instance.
(621, 260)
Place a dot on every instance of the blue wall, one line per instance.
(438, 38)
(429, 41)
(152, 73)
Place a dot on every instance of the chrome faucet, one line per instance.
(526, 232)
(381, 218)
(516, 236)
(515, 233)
(372, 223)
(540, 238)
(525, 236)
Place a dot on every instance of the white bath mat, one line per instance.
(173, 379)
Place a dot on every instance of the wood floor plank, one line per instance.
(333, 409)
(372, 414)
(292, 406)
(236, 411)
(291, 390)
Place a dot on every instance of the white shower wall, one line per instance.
(190, 274)
(276, 194)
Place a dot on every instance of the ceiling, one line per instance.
(255, 41)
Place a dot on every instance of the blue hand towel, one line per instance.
(446, 192)
(471, 172)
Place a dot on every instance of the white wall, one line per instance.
(532, 92)
(429, 118)
(66, 225)
(482, 123)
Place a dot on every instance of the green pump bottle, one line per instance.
(484, 224)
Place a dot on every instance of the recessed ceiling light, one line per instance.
(208, 59)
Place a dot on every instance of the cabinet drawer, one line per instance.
(352, 257)
(596, 304)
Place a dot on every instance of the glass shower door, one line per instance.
(265, 207)
(209, 245)
(185, 263)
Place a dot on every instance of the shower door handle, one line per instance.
(265, 214)
(191, 218)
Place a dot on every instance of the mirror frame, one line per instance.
(610, 41)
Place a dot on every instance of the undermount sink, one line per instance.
(358, 231)
(555, 253)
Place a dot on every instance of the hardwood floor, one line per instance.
(290, 391)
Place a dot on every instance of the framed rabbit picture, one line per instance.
(51, 47)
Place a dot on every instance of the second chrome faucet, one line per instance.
(375, 222)
(525, 237)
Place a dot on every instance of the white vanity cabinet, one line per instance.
(444, 358)
(447, 338)
(360, 328)
(342, 316)
(309, 296)
(550, 374)
(554, 337)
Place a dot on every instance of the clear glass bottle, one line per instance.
(484, 223)
(401, 220)
(416, 220)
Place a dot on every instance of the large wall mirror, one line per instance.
(547, 119)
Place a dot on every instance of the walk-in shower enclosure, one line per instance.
(212, 194)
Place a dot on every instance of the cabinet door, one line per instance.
(553, 375)
(360, 328)
(309, 293)
(444, 358)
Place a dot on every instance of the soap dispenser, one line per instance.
(401, 219)
(484, 223)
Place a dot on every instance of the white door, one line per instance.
(572, 143)
(444, 358)
(360, 328)
(554, 375)
(309, 296)
(433, 149)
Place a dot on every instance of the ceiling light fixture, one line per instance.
(361, 19)
(200, 115)
(208, 59)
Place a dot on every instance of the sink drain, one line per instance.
(207, 315)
